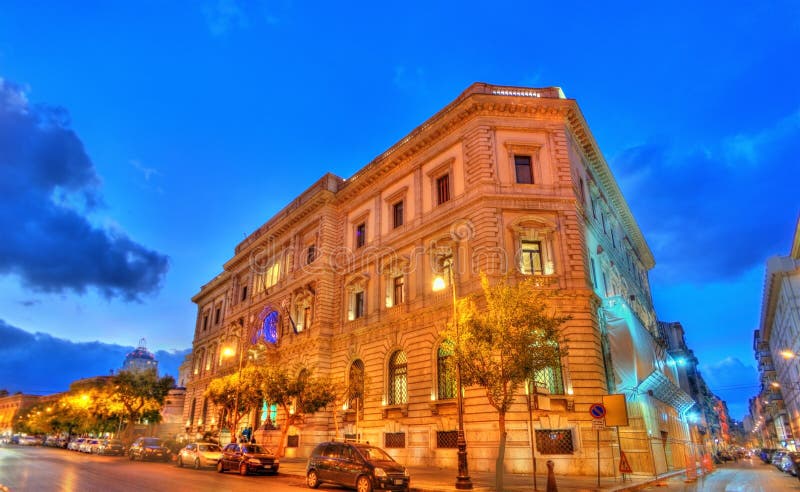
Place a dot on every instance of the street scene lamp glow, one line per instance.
(439, 283)
(228, 352)
(788, 354)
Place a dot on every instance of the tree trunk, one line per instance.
(499, 470)
(287, 423)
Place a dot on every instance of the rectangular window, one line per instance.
(397, 214)
(306, 316)
(603, 220)
(398, 290)
(244, 292)
(522, 163)
(594, 273)
(217, 316)
(442, 189)
(613, 241)
(292, 441)
(358, 304)
(311, 254)
(531, 258)
(394, 440)
(594, 208)
(205, 322)
(361, 235)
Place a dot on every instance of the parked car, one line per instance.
(788, 462)
(30, 441)
(766, 454)
(199, 454)
(110, 447)
(777, 457)
(75, 443)
(354, 465)
(88, 445)
(148, 448)
(248, 458)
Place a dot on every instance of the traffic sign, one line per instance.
(597, 410)
(598, 425)
(624, 466)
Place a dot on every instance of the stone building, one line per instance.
(339, 282)
(140, 359)
(10, 408)
(777, 350)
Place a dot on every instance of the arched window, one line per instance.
(445, 372)
(398, 378)
(355, 385)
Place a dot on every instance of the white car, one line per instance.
(199, 454)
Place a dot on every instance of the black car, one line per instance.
(110, 446)
(359, 466)
(248, 458)
(148, 448)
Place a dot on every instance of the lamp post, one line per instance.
(463, 481)
(229, 352)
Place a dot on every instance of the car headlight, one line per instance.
(379, 472)
(277, 462)
(254, 461)
(405, 473)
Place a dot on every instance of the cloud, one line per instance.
(147, 172)
(48, 185)
(712, 213)
(224, 15)
(39, 363)
(733, 382)
(30, 302)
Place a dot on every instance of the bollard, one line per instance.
(551, 478)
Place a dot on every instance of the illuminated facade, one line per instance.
(501, 180)
(10, 406)
(777, 348)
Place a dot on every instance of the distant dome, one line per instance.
(140, 359)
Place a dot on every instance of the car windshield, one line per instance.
(374, 454)
(152, 442)
(254, 448)
(213, 448)
(113, 441)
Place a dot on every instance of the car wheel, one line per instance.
(197, 463)
(180, 461)
(363, 484)
(312, 480)
(243, 470)
(220, 468)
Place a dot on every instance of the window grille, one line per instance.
(292, 441)
(394, 440)
(398, 372)
(551, 378)
(447, 439)
(554, 441)
(442, 189)
(446, 373)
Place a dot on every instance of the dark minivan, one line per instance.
(248, 458)
(359, 466)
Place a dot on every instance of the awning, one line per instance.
(663, 389)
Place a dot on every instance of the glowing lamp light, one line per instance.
(227, 352)
(788, 354)
(439, 283)
(775, 384)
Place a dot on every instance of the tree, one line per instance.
(296, 396)
(236, 394)
(503, 339)
(141, 391)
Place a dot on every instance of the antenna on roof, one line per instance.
(142, 343)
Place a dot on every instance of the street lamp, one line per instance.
(463, 481)
(228, 352)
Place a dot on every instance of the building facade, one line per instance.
(502, 181)
(777, 349)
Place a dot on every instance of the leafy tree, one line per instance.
(236, 394)
(296, 396)
(141, 392)
(502, 339)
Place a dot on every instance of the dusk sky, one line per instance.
(141, 141)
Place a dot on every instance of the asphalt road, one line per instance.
(743, 476)
(41, 469)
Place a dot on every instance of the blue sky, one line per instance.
(143, 140)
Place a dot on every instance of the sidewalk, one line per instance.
(431, 479)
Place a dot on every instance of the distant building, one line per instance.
(777, 348)
(10, 407)
(140, 359)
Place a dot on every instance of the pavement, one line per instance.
(433, 479)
